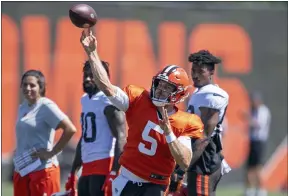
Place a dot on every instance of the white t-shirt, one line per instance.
(263, 117)
(35, 127)
(209, 96)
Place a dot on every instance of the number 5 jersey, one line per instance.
(146, 153)
(97, 143)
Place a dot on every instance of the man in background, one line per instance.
(259, 120)
(102, 141)
(209, 102)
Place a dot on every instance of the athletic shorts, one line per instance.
(91, 185)
(203, 185)
(37, 183)
(143, 189)
(255, 153)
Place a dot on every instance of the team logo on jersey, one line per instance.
(215, 94)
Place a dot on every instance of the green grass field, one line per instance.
(230, 191)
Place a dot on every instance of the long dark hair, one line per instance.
(40, 79)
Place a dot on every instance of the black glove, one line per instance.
(176, 179)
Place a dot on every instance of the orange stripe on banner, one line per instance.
(10, 82)
(171, 50)
(107, 31)
(67, 72)
(137, 56)
(37, 56)
(198, 185)
(274, 173)
(239, 54)
(206, 185)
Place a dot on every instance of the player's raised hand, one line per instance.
(88, 40)
(164, 123)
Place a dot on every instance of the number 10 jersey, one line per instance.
(97, 141)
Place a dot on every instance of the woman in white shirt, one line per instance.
(38, 118)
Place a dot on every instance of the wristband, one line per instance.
(170, 138)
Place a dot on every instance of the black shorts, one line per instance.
(203, 185)
(143, 189)
(256, 152)
(91, 185)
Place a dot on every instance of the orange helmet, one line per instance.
(176, 76)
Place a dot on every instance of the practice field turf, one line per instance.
(230, 191)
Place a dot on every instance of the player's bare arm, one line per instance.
(68, 131)
(100, 76)
(210, 118)
(115, 94)
(77, 162)
(181, 153)
(116, 120)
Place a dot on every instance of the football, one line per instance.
(83, 16)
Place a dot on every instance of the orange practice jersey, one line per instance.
(146, 153)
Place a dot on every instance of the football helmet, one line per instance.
(176, 76)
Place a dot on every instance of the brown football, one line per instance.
(83, 16)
